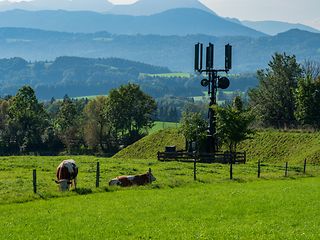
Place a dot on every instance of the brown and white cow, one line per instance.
(125, 181)
(67, 172)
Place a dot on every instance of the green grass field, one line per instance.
(16, 174)
(273, 209)
(175, 206)
(167, 75)
(162, 125)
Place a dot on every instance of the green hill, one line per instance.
(267, 146)
(148, 146)
(275, 146)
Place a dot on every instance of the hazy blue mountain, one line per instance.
(172, 22)
(149, 7)
(141, 7)
(71, 5)
(275, 27)
(174, 52)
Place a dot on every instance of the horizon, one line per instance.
(297, 11)
(265, 10)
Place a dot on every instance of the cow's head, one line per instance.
(64, 184)
(151, 177)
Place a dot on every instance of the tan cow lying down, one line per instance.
(67, 172)
(125, 181)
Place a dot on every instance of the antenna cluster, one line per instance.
(198, 62)
(213, 82)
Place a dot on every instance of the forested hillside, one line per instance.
(85, 77)
(70, 75)
(174, 52)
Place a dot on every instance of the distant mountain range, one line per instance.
(149, 7)
(275, 27)
(141, 7)
(71, 5)
(172, 22)
(174, 52)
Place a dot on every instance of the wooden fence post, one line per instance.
(34, 174)
(150, 181)
(231, 173)
(98, 175)
(245, 156)
(259, 168)
(195, 169)
(304, 166)
(286, 170)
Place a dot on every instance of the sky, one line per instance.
(294, 11)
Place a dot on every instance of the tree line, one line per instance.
(102, 125)
(288, 94)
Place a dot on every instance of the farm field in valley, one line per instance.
(162, 125)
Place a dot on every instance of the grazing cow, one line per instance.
(125, 181)
(67, 172)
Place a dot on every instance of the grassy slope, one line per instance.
(269, 146)
(230, 210)
(148, 147)
(274, 146)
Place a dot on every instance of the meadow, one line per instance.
(162, 125)
(175, 206)
(16, 175)
(206, 209)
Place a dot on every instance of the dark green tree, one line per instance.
(194, 128)
(28, 120)
(308, 102)
(4, 127)
(131, 111)
(68, 125)
(273, 100)
(99, 129)
(233, 125)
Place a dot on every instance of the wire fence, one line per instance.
(20, 179)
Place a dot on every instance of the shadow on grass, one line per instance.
(82, 191)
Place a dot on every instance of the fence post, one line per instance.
(231, 173)
(150, 175)
(98, 175)
(286, 171)
(34, 174)
(195, 169)
(259, 168)
(245, 156)
(305, 166)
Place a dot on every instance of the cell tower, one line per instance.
(213, 81)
